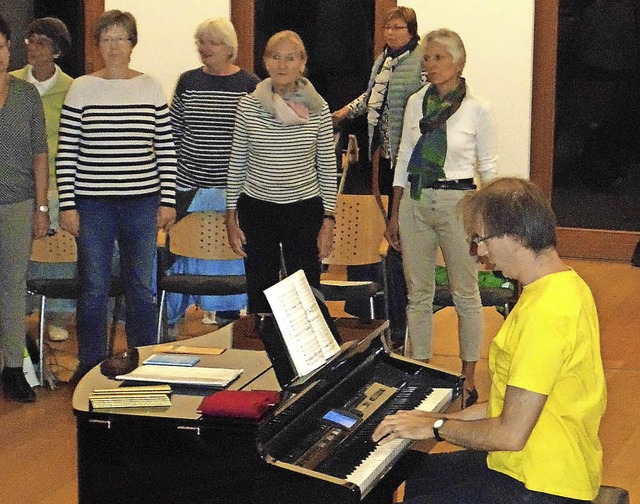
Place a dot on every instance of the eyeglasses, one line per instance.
(114, 40)
(394, 28)
(481, 239)
(200, 42)
(38, 41)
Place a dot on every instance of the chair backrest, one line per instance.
(57, 248)
(359, 231)
(202, 235)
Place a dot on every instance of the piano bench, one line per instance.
(612, 495)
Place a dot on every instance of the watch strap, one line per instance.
(436, 431)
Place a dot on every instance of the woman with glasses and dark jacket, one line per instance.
(397, 73)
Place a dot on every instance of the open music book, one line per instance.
(306, 334)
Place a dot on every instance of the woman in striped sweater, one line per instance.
(116, 170)
(202, 114)
(281, 187)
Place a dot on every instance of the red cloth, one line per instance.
(251, 404)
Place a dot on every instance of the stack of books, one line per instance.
(131, 397)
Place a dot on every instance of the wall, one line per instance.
(165, 34)
(498, 35)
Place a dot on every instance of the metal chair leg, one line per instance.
(43, 301)
(160, 317)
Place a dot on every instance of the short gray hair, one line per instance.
(451, 40)
(221, 29)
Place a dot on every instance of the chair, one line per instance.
(60, 247)
(611, 495)
(200, 235)
(503, 298)
(358, 239)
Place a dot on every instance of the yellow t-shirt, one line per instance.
(550, 344)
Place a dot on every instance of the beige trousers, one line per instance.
(435, 221)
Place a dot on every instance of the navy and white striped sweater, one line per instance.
(115, 141)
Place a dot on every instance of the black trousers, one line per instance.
(396, 283)
(463, 477)
(267, 225)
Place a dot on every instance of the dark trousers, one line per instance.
(396, 284)
(463, 477)
(267, 225)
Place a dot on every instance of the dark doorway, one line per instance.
(71, 12)
(339, 38)
(596, 174)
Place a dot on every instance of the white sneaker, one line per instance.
(58, 333)
(209, 318)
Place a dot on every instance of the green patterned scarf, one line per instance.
(427, 159)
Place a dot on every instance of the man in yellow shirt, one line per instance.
(536, 440)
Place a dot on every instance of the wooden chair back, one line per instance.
(201, 235)
(358, 236)
(57, 248)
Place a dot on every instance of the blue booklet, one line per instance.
(167, 359)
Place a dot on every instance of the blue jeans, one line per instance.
(132, 222)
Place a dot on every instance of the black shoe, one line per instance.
(15, 385)
(472, 398)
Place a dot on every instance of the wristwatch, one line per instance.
(437, 425)
(43, 208)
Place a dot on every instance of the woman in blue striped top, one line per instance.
(116, 170)
(281, 188)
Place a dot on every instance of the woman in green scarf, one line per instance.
(447, 132)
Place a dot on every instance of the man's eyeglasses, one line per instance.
(395, 28)
(477, 239)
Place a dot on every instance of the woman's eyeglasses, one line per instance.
(394, 28)
(114, 40)
(38, 41)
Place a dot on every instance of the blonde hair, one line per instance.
(289, 35)
(220, 29)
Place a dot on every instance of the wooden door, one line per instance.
(93, 9)
(572, 242)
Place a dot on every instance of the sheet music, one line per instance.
(306, 334)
